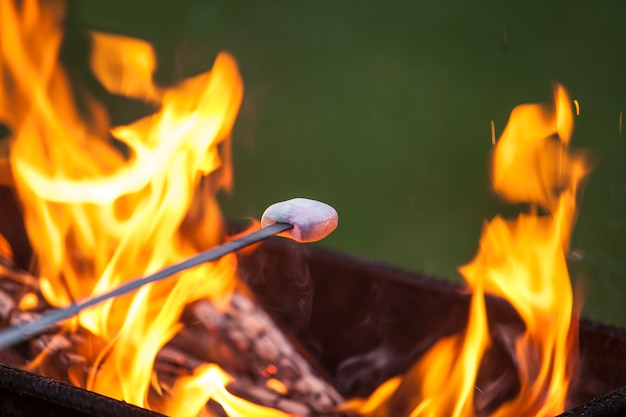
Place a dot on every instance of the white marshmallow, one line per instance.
(311, 220)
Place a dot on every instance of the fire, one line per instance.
(521, 260)
(215, 379)
(533, 249)
(103, 205)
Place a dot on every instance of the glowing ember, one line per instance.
(522, 261)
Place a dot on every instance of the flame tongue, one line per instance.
(521, 260)
(97, 217)
(524, 260)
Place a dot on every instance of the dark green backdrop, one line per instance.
(383, 110)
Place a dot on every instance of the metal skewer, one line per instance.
(13, 335)
(302, 219)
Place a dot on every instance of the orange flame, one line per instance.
(97, 216)
(215, 379)
(522, 261)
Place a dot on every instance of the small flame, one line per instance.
(521, 260)
(216, 379)
(103, 205)
(448, 370)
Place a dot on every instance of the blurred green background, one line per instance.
(383, 111)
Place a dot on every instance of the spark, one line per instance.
(506, 32)
(493, 133)
(577, 107)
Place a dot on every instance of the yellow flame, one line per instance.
(209, 382)
(28, 302)
(5, 248)
(100, 211)
(369, 405)
(522, 261)
(453, 360)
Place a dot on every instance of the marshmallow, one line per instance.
(311, 220)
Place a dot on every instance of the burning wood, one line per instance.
(240, 337)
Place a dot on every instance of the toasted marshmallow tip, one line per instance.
(311, 220)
